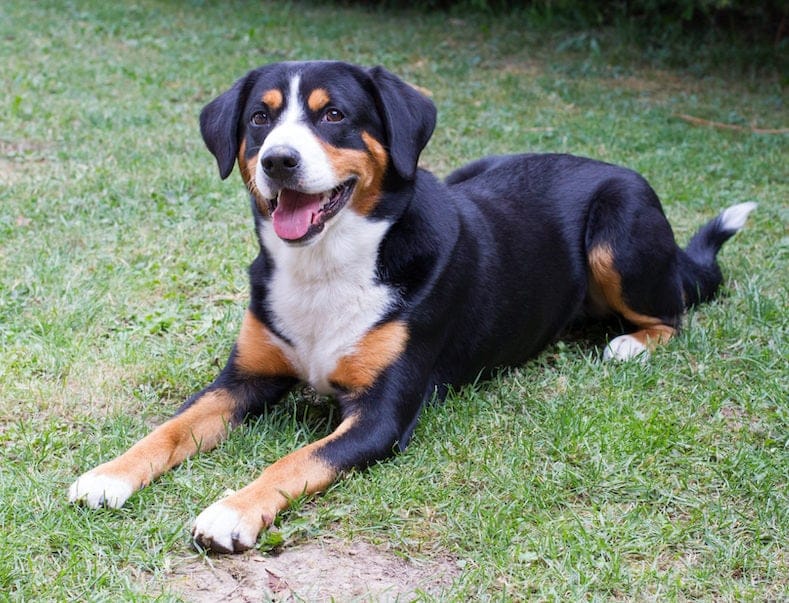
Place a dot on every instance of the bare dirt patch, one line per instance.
(19, 158)
(325, 570)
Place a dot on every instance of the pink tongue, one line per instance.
(294, 214)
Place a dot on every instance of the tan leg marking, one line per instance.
(318, 99)
(608, 284)
(298, 473)
(651, 337)
(200, 427)
(256, 352)
(234, 522)
(377, 350)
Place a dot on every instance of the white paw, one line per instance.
(222, 529)
(96, 490)
(625, 347)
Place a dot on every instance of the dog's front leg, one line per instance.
(255, 376)
(377, 423)
(200, 427)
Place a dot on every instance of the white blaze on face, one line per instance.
(316, 174)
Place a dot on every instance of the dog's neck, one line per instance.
(325, 296)
(347, 250)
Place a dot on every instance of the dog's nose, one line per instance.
(280, 162)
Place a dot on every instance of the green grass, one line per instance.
(122, 285)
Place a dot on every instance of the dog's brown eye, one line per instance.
(333, 115)
(260, 118)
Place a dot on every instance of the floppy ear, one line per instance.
(409, 119)
(219, 124)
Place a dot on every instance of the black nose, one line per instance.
(280, 162)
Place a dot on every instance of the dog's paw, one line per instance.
(625, 347)
(96, 490)
(223, 529)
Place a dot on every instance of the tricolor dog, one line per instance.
(383, 286)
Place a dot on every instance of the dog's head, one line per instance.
(314, 139)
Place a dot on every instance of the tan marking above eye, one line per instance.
(318, 99)
(272, 98)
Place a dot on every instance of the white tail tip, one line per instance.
(734, 217)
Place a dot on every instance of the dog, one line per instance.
(380, 285)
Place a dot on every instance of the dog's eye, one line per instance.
(333, 115)
(260, 118)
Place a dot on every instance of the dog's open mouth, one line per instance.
(298, 216)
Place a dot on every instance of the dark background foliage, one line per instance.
(766, 20)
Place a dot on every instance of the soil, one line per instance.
(326, 570)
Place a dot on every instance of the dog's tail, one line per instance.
(701, 275)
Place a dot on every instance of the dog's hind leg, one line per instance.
(633, 266)
(650, 330)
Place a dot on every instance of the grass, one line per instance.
(122, 285)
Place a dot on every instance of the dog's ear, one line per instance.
(220, 127)
(409, 119)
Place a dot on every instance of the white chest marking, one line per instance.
(324, 297)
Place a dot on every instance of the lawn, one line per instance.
(123, 282)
